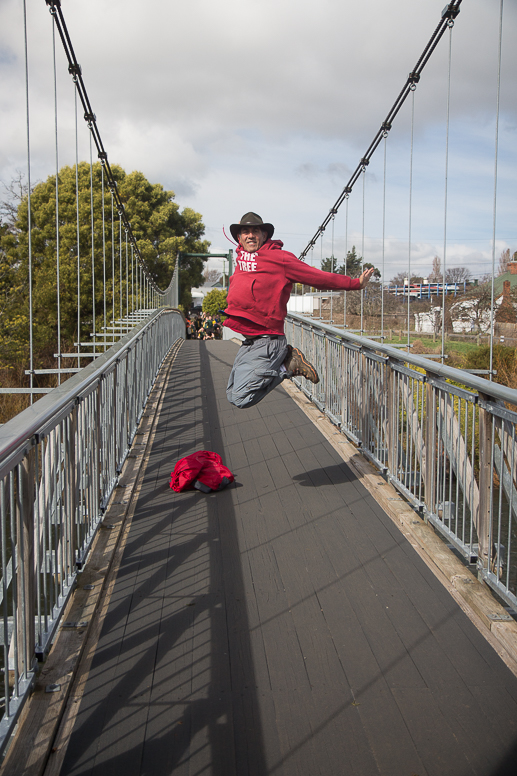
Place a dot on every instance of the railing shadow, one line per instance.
(173, 677)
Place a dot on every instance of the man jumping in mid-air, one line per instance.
(257, 305)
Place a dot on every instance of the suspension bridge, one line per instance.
(347, 606)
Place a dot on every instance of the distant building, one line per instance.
(465, 318)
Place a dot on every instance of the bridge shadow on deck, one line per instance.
(283, 626)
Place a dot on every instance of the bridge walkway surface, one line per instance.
(283, 626)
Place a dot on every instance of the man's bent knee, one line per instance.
(243, 402)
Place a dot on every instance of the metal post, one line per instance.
(176, 300)
(430, 445)
(392, 419)
(363, 381)
(25, 530)
(485, 482)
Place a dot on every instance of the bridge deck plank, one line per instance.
(283, 626)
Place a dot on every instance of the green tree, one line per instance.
(214, 301)
(352, 267)
(330, 265)
(160, 229)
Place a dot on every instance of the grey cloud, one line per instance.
(307, 170)
(209, 98)
(184, 188)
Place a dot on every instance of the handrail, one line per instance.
(19, 429)
(496, 390)
(60, 461)
(449, 447)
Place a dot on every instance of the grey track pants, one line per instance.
(256, 370)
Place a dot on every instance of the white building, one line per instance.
(463, 320)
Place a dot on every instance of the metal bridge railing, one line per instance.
(445, 438)
(60, 460)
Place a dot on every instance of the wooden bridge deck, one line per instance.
(283, 626)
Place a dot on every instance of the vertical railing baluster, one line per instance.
(25, 505)
(14, 646)
(485, 487)
(5, 588)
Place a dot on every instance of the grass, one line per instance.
(458, 352)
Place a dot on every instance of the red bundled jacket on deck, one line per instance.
(204, 471)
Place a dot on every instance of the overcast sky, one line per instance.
(268, 106)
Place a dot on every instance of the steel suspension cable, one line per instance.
(362, 249)
(29, 206)
(93, 235)
(103, 251)
(449, 12)
(447, 129)
(346, 257)
(78, 232)
(120, 261)
(332, 270)
(383, 237)
(127, 279)
(496, 157)
(383, 234)
(321, 262)
(112, 260)
(410, 214)
(58, 285)
(75, 70)
(132, 281)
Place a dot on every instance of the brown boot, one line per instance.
(297, 364)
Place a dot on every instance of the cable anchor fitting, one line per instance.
(413, 79)
(364, 163)
(75, 69)
(386, 128)
(90, 118)
(450, 12)
(103, 156)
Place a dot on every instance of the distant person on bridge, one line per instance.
(257, 306)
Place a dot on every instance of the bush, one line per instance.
(505, 363)
(214, 301)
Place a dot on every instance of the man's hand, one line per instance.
(364, 279)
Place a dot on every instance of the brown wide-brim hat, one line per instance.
(251, 219)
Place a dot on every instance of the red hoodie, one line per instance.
(261, 285)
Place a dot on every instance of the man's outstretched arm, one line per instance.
(298, 272)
